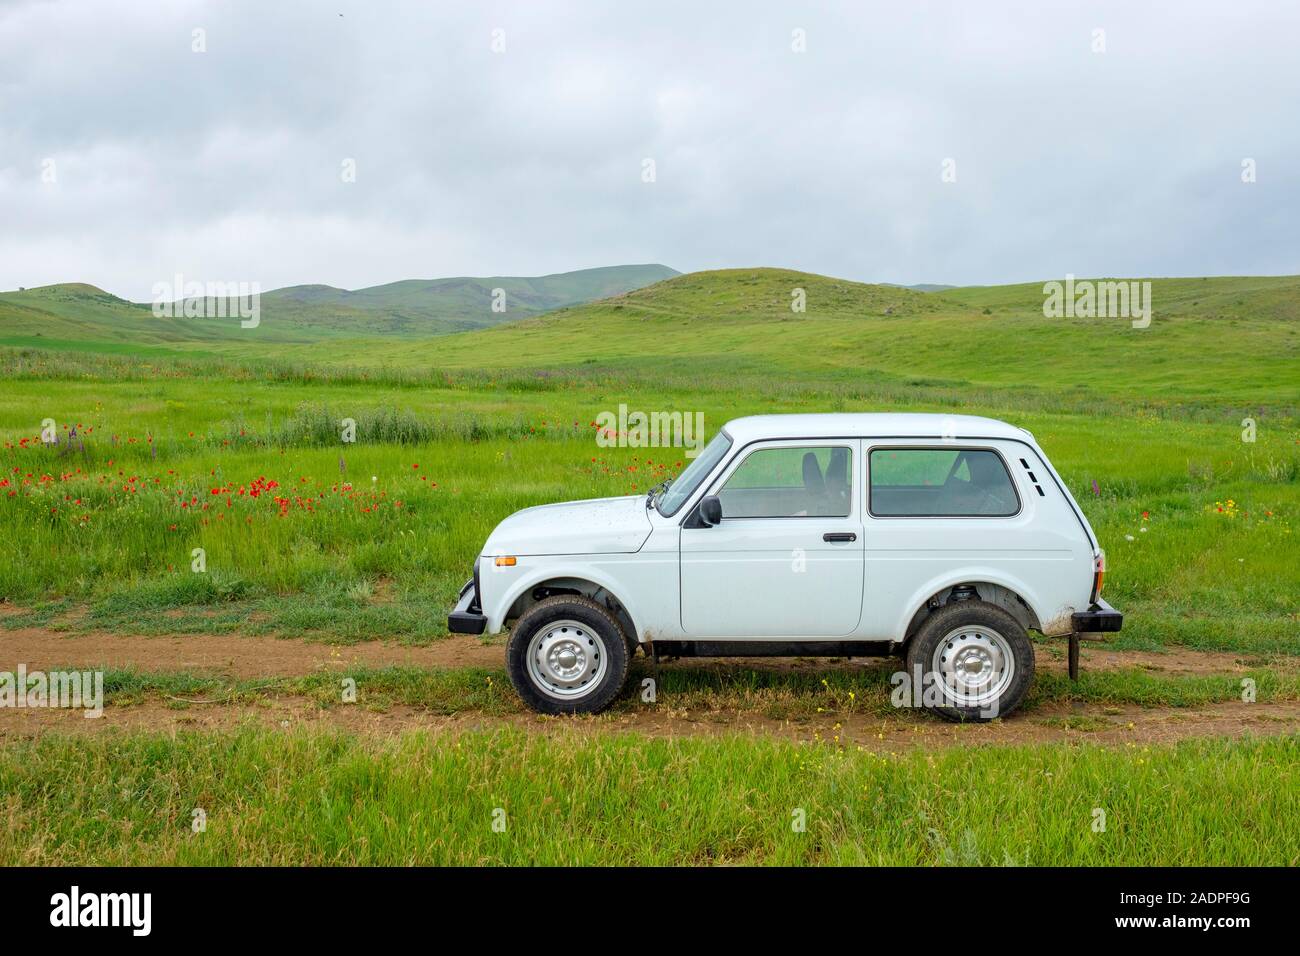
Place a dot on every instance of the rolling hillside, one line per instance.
(1214, 339)
(425, 306)
(79, 313)
(1234, 339)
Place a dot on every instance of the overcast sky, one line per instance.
(229, 164)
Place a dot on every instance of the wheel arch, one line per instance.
(995, 589)
(594, 586)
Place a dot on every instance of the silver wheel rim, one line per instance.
(974, 665)
(566, 659)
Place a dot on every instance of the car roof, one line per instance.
(871, 425)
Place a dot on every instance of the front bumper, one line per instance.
(1100, 618)
(468, 617)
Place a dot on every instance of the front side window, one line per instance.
(806, 482)
(672, 499)
(940, 482)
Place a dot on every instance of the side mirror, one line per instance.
(711, 511)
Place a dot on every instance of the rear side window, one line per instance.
(940, 483)
(810, 482)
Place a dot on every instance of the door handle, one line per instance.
(839, 536)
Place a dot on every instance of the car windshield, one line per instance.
(676, 494)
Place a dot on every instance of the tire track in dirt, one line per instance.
(1107, 726)
(232, 655)
(253, 656)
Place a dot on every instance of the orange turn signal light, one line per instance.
(506, 562)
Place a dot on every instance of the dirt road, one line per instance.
(254, 657)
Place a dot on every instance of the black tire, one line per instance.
(983, 620)
(599, 635)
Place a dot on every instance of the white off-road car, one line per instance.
(944, 538)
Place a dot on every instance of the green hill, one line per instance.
(76, 312)
(1217, 338)
(424, 306)
(1231, 339)
(83, 314)
(1272, 298)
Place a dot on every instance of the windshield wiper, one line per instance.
(657, 489)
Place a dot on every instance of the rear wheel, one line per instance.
(975, 660)
(567, 655)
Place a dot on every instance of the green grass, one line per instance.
(314, 798)
(1215, 342)
(741, 321)
(772, 694)
(1151, 449)
(1195, 575)
(1144, 425)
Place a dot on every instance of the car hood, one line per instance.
(598, 526)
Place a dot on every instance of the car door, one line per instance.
(787, 558)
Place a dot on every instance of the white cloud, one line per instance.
(226, 164)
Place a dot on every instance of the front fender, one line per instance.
(522, 579)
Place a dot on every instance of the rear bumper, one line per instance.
(1100, 618)
(468, 617)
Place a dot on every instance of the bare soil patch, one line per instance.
(249, 656)
(1107, 726)
(231, 654)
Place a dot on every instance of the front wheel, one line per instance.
(974, 660)
(567, 655)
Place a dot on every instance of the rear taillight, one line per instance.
(1098, 574)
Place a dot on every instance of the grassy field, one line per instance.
(195, 437)
(302, 798)
(303, 532)
(1215, 345)
(834, 692)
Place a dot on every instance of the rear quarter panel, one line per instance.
(1042, 553)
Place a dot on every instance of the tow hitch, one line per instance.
(1101, 618)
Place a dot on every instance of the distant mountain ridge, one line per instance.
(467, 301)
(413, 308)
(923, 287)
